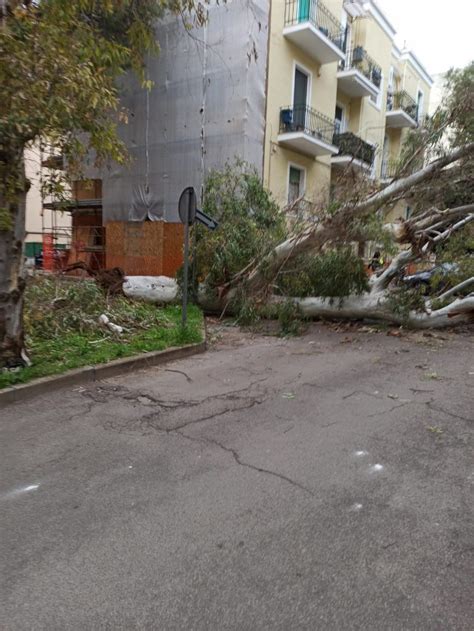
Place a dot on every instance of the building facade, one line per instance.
(303, 90)
(339, 94)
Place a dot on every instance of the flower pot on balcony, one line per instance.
(358, 55)
(287, 116)
(286, 119)
(376, 77)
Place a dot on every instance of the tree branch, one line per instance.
(399, 186)
(447, 233)
(425, 221)
(407, 256)
(381, 282)
(459, 287)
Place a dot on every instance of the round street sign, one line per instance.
(187, 205)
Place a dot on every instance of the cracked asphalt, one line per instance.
(320, 482)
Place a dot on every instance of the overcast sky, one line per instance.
(439, 32)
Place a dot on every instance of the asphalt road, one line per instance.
(322, 482)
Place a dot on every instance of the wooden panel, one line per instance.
(149, 248)
(172, 248)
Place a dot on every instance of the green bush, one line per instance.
(402, 300)
(250, 224)
(331, 274)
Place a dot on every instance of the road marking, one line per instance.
(23, 489)
(376, 467)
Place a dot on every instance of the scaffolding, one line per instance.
(83, 241)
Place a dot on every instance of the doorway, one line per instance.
(300, 98)
(304, 10)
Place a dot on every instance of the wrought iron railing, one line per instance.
(402, 101)
(315, 12)
(388, 169)
(358, 59)
(303, 118)
(351, 145)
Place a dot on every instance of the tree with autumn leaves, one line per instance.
(59, 65)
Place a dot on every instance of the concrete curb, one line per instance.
(87, 374)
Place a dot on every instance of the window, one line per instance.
(391, 80)
(339, 119)
(419, 105)
(295, 184)
(377, 100)
(346, 32)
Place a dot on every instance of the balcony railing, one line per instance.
(315, 12)
(389, 169)
(351, 145)
(358, 59)
(402, 101)
(304, 119)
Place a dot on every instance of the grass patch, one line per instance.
(62, 329)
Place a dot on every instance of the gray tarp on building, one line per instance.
(207, 106)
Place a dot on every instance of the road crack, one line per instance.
(395, 407)
(447, 412)
(180, 372)
(236, 456)
(247, 406)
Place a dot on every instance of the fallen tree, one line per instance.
(317, 258)
(264, 256)
(378, 301)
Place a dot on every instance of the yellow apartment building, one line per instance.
(340, 94)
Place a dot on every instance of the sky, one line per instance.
(439, 32)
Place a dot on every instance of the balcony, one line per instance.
(352, 151)
(314, 29)
(402, 110)
(359, 75)
(305, 130)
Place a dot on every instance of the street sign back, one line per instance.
(187, 205)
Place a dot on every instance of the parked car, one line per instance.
(424, 278)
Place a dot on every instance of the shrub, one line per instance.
(332, 274)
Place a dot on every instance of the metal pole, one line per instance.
(185, 278)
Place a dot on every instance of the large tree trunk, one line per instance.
(12, 280)
(374, 306)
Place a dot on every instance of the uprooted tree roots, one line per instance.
(110, 280)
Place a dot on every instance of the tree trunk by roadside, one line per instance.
(375, 306)
(12, 280)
